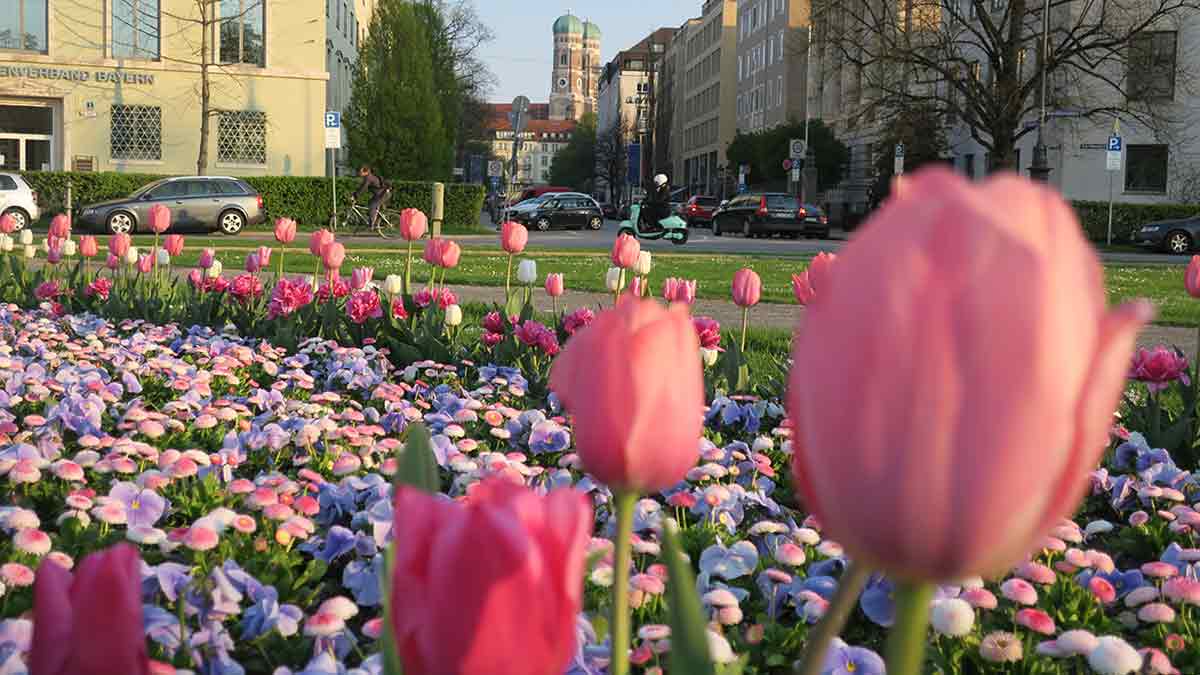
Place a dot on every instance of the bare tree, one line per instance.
(980, 63)
(612, 155)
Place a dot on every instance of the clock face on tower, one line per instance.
(562, 83)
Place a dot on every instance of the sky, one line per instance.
(521, 54)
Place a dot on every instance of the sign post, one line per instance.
(1113, 162)
(797, 148)
(333, 143)
(898, 166)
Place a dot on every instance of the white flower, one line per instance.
(26, 237)
(132, 255)
(719, 649)
(393, 285)
(30, 251)
(762, 444)
(1114, 656)
(527, 271)
(214, 270)
(709, 357)
(644, 264)
(339, 606)
(1077, 642)
(453, 315)
(953, 617)
(70, 248)
(162, 257)
(1097, 527)
(612, 280)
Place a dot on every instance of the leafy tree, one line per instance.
(395, 121)
(921, 131)
(575, 165)
(765, 151)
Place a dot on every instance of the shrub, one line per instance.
(306, 199)
(1126, 217)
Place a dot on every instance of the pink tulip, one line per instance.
(207, 256)
(943, 382)
(685, 291)
(173, 243)
(333, 255)
(513, 237)
(554, 285)
(160, 218)
(806, 285)
(747, 288)
(60, 227)
(318, 240)
(413, 224)
(88, 247)
(252, 263)
(636, 287)
(8, 224)
(113, 262)
(455, 612)
(449, 255)
(90, 621)
(285, 230)
(1191, 278)
(670, 284)
(54, 253)
(360, 277)
(625, 252)
(633, 385)
(119, 244)
(433, 251)
(1158, 367)
(264, 256)
(145, 263)
(802, 288)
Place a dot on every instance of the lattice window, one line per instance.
(242, 137)
(136, 132)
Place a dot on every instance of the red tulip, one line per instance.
(625, 252)
(160, 218)
(90, 622)
(119, 244)
(333, 255)
(173, 243)
(458, 613)
(8, 224)
(60, 227)
(933, 395)
(433, 251)
(318, 240)
(634, 388)
(513, 237)
(285, 230)
(449, 254)
(554, 285)
(413, 224)
(1191, 278)
(747, 288)
(88, 247)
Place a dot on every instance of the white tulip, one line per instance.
(312, 281)
(163, 258)
(709, 357)
(26, 237)
(613, 279)
(393, 285)
(30, 251)
(3, 240)
(46, 245)
(215, 270)
(642, 268)
(527, 271)
(70, 248)
(8, 244)
(453, 315)
(132, 255)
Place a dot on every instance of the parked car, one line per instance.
(699, 209)
(196, 202)
(764, 214)
(534, 202)
(572, 211)
(1173, 236)
(18, 200)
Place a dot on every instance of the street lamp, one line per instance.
(1039, 170)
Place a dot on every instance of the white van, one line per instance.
(18, 200)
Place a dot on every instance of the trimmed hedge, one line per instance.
(306, 199)
(1126, 217)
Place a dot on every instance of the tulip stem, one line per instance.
(408, 268)
(508, 278)
(624, 502)
(906, 640)
(849, 587)
(745, 324)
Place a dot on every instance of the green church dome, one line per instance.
(568, 24)
(591, 31)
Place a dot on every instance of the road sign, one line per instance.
(797, 148)
(899, 149)
(495, 168)
(1114, 154)
(787, 164)
(333, 130)
(1114, 143)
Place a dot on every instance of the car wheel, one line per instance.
(595, 223)
(120, 222)
(1178, 242)
(231, 222)
(543, 224)
(19, 217)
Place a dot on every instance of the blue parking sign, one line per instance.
(333, 119)
(1114, 143)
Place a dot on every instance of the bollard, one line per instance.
(439, 199)
(68, 209)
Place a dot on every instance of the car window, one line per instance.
(7, 183)
(175, 188)
(224, 187)
(552, 204)
(199, 188)
(781, 202)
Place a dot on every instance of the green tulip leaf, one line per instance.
(514, 303)
(417, 464)
(689, 641)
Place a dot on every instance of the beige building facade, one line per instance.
(708, 108)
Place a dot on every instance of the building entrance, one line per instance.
(27, 140)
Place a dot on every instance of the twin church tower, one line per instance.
(575, 80)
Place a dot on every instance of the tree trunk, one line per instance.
(205, 26)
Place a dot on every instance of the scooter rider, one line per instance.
(658, 205)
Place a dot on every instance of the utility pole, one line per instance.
(1039, 169)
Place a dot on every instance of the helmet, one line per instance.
(660, 179)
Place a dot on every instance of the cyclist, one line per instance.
(381, 191)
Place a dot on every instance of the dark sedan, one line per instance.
(1172, 236)
(767, 213)
(563, 211)
(203, 203)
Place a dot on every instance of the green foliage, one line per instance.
(1126, 217)
(575, 165)
(395, 121)
(689, 641)
(306, 199)
(921, 130)
(765, 151)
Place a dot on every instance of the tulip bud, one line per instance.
(113, 261)
(527, 271)
(554, 285)
(88, 247)
(30, 251)
(454, 315)
(709, 357)
(162, 257)
(26, 237)
(214, 270)
(70, 248)
(285, 230)
(131, 256)
(252, 265)
(207, 256)
(644, 264)
(612, 280)
(393, 285)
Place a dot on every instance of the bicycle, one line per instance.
(357, 218)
